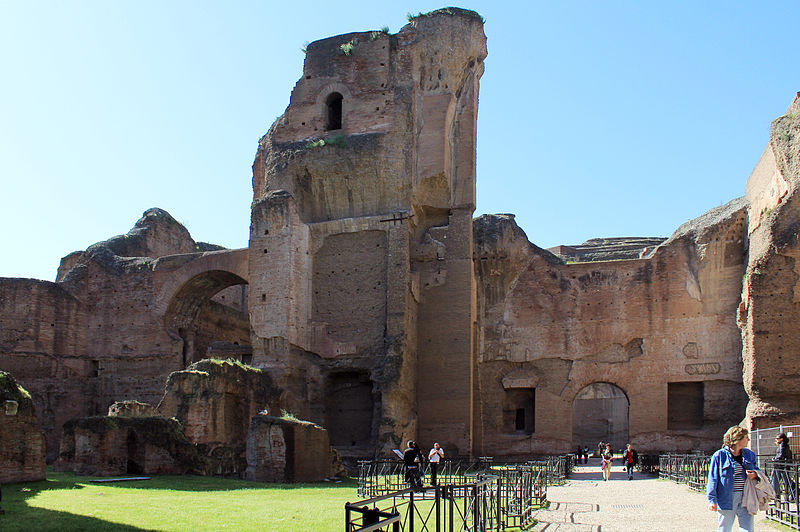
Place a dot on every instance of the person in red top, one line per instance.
(630, 458)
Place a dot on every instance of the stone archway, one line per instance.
(210, 314)
(600, 413)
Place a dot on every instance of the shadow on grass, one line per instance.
(198, 483)
(66, 481)
(20, 516)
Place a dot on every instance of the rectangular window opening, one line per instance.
(685, 402)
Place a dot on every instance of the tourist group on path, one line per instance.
(630, 459)
(413, 462)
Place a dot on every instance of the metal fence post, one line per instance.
(438, 509)
(411, 511)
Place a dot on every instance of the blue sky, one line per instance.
(596, 119)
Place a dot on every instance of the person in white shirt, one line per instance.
(434, 457)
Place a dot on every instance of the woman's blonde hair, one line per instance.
(734, 434)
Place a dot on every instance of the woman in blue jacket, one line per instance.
(729, 468)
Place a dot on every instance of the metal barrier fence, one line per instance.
(497, 495)
(648, 464)
(762, 441)
(785, 509)
(472, 507)
(691, 469)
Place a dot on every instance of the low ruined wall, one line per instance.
(215, 400)
(22, 445)
(103, 445)
(284, 450)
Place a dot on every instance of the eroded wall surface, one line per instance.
(640, 324)
(360, 240)
(120, 318)
(22, 445)
(770, 308)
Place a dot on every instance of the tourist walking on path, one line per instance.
(630, 458)
(783, 455)
(412, 458)
(434, 457)
(729, 468)
(605, 465)
(585, 454)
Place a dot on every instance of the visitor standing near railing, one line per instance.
(729, 468)
(434, 457)
(412, 458)
(783, 455)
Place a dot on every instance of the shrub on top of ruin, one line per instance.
(9, 389)
(347, 48)
(375, 35)
(337, 141)
(304, 49)
(231, 362)
(447, 11)
(288, 416)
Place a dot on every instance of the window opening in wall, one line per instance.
(520, 422)
(519, 410)
(333, 104)
(685, 405)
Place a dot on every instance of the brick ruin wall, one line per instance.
(382, 311)
(374, 226)
(552, 329)
(102, 333)
(770, 305)
(22, 444)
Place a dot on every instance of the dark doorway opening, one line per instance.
(349, 407)
(519, 410)
(334, 105)
(133, 467)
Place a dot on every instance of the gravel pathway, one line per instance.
(588, 504)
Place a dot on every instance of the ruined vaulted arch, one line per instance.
(187, 302)
(209, 325)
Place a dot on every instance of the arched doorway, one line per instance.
(600, 413)
(210, 313)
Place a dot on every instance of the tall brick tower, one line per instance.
(362, 290)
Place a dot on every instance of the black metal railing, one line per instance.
(378, 477)
(517, 490)
(785, 509)
(648, 464)
(691, 469)
(472, 506)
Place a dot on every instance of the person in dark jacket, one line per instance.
(412, 458)
(727, 472)
(783, 455)
(630, 458)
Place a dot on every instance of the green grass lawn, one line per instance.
(66, 502)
